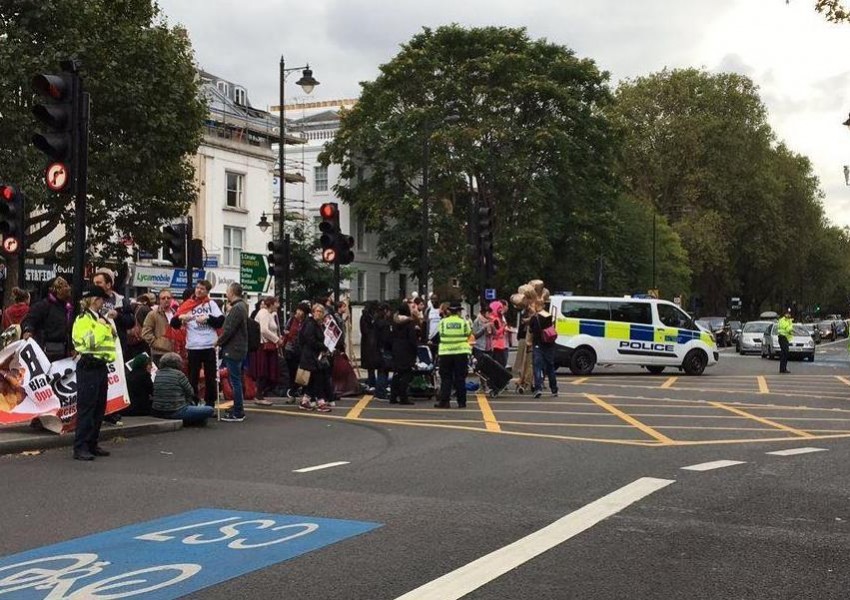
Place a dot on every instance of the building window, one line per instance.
(383, 287)
(361, 286)
(320, 179)
(240, 96)
(360, 237)
(233, 238)
(402, 285)
(235, 187)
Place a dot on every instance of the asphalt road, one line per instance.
(451, 487)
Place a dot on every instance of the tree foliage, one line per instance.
(146, 115)
(530, 140)
(834, 10)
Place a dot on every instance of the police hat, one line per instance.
(94, 292)
(455, 306)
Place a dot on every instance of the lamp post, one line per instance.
(307, 83)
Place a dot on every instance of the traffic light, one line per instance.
(58, 111)
(345, 249)
(485, 228)
(196, 254)
(175, 244)
(278, 259)
(11, 218)
(329, 227)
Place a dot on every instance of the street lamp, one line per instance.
(307, 83)
(264, 223)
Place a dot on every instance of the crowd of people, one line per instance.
(303, 360)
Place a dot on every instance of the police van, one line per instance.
(654, 334)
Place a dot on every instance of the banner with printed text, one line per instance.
(31, 387)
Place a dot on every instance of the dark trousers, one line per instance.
(292, 359)
(320, 386)
(783, 354)
(92, 385)
(453, 370)
(205, 358)
(400, 384)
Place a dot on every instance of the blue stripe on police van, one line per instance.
(643, 333)
(169, 557)
(594, 328)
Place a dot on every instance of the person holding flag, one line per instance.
(200, 317)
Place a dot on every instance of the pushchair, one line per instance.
(424, 382)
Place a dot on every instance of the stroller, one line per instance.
(424, 382)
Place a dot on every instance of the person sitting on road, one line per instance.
(173, 397)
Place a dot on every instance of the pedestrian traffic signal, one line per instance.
(11, 218)
(345, 249)
(278, 259)
(58, 111)
(485, 228)
(174, 237)
(329, 228)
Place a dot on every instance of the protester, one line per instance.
(201, 317)
(314, 360)
(404, 345)
(383, 333)
(139, 386)
(49, 321)
(499, 337)
(543, 352)
(292, 347)
(117, 308)
(173, 396)
(482, 331)
(233, 342)
(265, 368)
(370, 355)
(15, 314)
(136, 342)
(155, 327)
(95, 342)
(435, 313)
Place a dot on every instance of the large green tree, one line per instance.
(511, 123)
(146, 116)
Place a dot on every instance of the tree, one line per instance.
(833, 9)
(146, 116)
(529, 140)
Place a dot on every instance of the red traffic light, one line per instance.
(328, 211)
(8, 193)
(55, 86)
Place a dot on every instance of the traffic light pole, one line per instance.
(22, 248)
(189, 265)
(82, 103)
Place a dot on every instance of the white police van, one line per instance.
(646, 332)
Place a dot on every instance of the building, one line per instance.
(316, 123)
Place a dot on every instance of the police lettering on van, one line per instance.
(646, 332)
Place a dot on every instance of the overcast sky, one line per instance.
(800, 62)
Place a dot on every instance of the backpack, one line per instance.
(253, 335)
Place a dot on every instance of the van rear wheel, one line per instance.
(582, 361)
(695, 362)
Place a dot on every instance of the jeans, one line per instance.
(370, 378)
(92, 386)
(234, 374)
(544, 365)
(205, 357)
(192, 415)
(382, 383)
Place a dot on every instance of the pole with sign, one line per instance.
(254, 272)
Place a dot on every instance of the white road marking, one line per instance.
(716, 464)
(794, 451)
(319, 467)
(472, 576)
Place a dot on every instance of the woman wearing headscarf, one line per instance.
(404, 344)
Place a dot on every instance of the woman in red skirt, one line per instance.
(264, 362)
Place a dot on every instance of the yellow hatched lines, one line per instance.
(629, 419)
(762, 420)
(671, 381)
(490, 421)
(763, 389)
(358, 408)
(843, 380)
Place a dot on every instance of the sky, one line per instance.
(791, 52)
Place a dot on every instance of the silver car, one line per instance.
(801, 345)
(751, 336)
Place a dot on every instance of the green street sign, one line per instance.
(254, 272)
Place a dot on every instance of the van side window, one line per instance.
(671, 316)
(586, 309)
(632, 312)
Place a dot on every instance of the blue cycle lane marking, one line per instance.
(169, 557)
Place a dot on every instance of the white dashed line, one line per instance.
(794, 451)
(472, 576)
(717, 464)
(319, 467)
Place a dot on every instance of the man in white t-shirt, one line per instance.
(434, 317)
(201, 316)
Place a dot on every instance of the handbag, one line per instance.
(269, 346)
(323, 362)
(549, 335)
(302, 377)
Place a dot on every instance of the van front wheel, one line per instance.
(695, 362)
(582, 362)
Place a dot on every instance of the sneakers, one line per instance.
(537, 394)
(305, 404)
(554, 393)
(323, 406)
(229, 417)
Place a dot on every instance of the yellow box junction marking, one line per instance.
(579, 381)
(763, 389)
(490, 421)
(629, 419)
(671, 381)
(843, 380)
(358, 408)
(743, 413)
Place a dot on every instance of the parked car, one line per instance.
(719, 327)
(752, 335)
(827, 330)
(840, 328)
(735, 331)
(813, 330)
(801, 345)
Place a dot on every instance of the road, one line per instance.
(626, 485)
